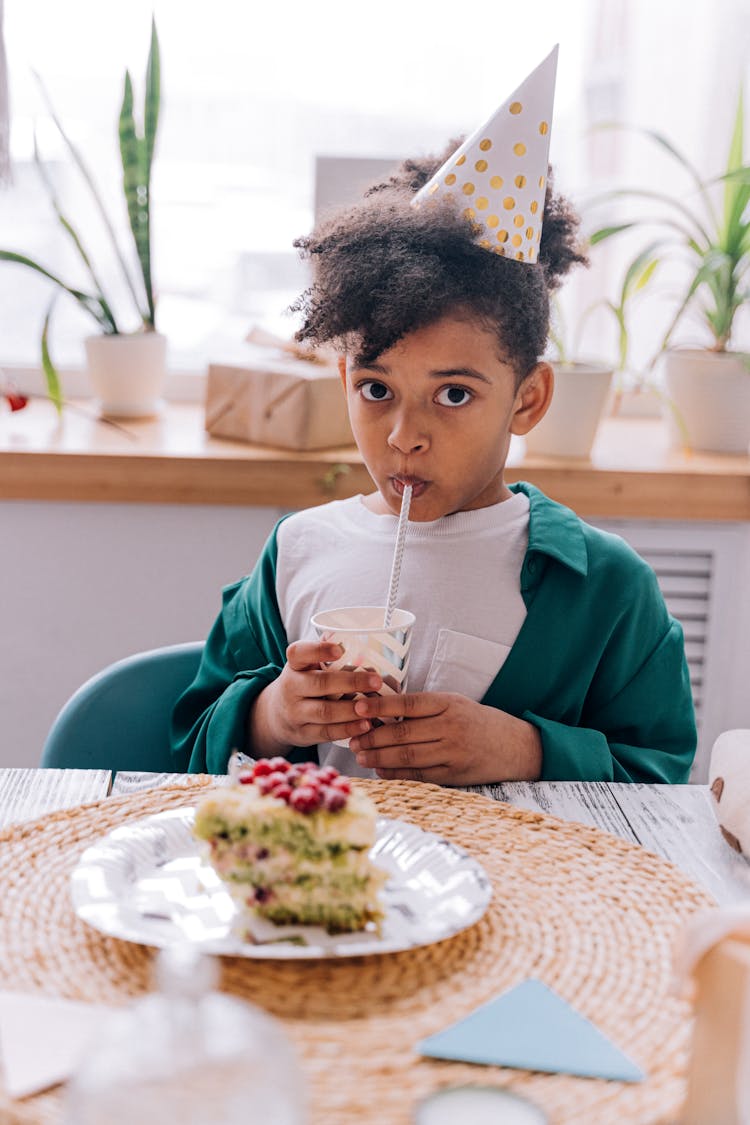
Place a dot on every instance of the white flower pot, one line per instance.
(569, 427)
(127, 373)
(710, 392)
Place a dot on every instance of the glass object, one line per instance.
(479, 1105)
(188, 1054)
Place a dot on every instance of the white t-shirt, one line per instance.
(460, 577)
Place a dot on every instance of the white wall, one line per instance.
(82, 585)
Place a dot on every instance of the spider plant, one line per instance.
(136, 143)
(713, 239)
(637, 277)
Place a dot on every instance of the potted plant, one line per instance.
(708, 388)
(127, 369)
(580, 397)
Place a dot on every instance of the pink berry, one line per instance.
(277, 778)
(283, 792)
(245, 779)
(305, 799)
(342, 783)
(280, 764)
(265, 785)
(328, 774)
(310, 779)
(333, 800)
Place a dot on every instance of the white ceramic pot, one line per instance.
(127, 373)
(710, 393)
(569, 427)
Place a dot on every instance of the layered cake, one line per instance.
(293, 842)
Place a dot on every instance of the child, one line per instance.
(542, 646)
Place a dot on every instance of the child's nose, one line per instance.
(408, 435)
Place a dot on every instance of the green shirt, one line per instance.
(598, 665)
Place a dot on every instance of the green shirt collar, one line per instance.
(554, 530)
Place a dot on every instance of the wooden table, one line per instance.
(675, 821)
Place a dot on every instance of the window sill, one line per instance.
(182, 385)
(170, 459)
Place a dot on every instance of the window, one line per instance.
(253, 94)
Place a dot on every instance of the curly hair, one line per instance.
(384, 268)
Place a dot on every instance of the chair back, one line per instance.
(119, 719)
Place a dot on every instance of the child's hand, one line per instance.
(303, 706)
(448, 739)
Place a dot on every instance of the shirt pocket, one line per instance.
(464, 664)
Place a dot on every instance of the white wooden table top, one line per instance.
(675, 821)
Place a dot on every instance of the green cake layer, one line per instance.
(291, 867)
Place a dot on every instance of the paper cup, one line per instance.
(368, 645)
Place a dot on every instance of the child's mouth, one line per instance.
(417, 485)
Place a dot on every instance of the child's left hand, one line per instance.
(446, 738)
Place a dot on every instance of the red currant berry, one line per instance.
(15, 401)
(304, 799)
(342, 783)
(262, 767)
(283, 792)
(246, 779)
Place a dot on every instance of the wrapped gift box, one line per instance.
(269, 396)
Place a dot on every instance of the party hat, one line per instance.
(500, 171)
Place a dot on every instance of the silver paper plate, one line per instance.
(151, 882)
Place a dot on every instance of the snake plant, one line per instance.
(137, 155)
(715, 241)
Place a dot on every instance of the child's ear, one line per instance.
(533, 398)
(342, 370)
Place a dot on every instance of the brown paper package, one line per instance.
(286, 402)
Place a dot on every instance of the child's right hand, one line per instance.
(308, 704)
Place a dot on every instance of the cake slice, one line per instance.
(293, 842)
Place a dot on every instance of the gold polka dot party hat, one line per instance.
(499, 174)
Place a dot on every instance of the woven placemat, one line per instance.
(591, 915)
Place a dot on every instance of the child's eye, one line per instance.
(374, 391)
(454, 396)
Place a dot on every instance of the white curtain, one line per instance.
(4, 114)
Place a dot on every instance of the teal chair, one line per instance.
(119, 719)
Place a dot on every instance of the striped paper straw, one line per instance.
(398, 552)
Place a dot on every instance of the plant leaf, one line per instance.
(72, 234)
(664, 143)
(88, 301)
(151, 106)
(152, 99)
(50, 371)
(734, 159)
(640, 271)
(647, 274)
(661, 197)
(704, 274)
(741, 175)
(604, 233)
(132, 155)
(90, 183)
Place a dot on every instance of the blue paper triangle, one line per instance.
(532, 1028)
